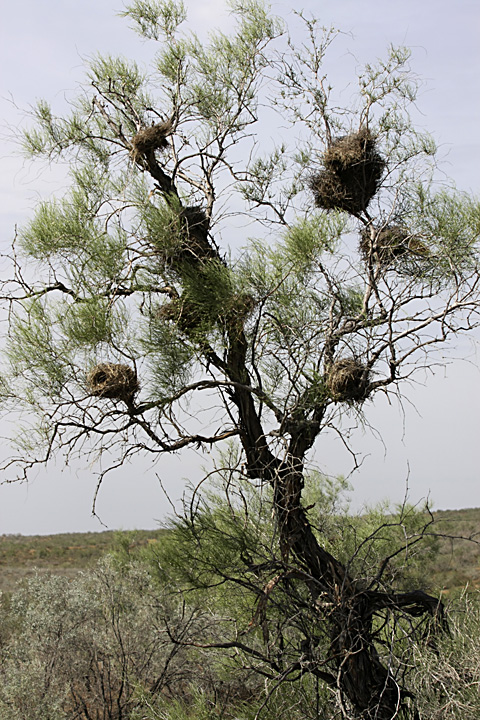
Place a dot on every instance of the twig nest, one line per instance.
(112, 380)
(189, 242)
(241, 306)
(348, 380)
(195, 246)
(150, 139)
(195, 220)
(390, 242)
(183, 313)
(351, 174)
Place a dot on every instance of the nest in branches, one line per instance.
(240, 307)
(183, 313)
(188, 243)
(351, 174)
(189, 316)
(389, 243)
(113, 380)
(195, 220)
(348, 380)
(196, 246)
(149, 139)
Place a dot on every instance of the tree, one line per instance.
(128, 318)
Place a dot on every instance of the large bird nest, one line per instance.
(242, 306)
(390, 242)
(195, 220)
(189, 241)
(190, 316)
(112, 380)
(194, 229)
(183, 313)
(239, 309)
(347, 380)
(352, 170)
(149, 139)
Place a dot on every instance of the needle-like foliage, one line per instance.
(231, 241)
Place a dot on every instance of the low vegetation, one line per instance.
(134, 626)
(454, 566)
(457, 564)
(60, 554)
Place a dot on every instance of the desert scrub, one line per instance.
(82, 648)
(447, 672)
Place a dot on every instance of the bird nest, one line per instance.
(195, 220)
(389, 243)
(188, 241)
(240, 307)
(149, 139)
(243, 304)
(183, 313)
(348, 380)
(112, 380)
(351, 174)
(190, 316)
(195, 245)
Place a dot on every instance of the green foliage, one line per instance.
(382, 544)
(90, 322)
(449, 224)
(220, 541)
(307, 240)
(57, 226)
(116, 643)
(153, 18)
(197, 708)
(304, 702)
(64, 642)
(170, 358)
(66, 553)
(171, 62)
(35, 353)
(52, 135)
(160, 222)
(126, 268)
(90, 642)
(72, 233)
(226, 547)
(117, 274)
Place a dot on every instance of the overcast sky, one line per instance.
(432, 443)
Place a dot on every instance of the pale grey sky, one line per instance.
(435, 441)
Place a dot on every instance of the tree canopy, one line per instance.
(138, 324)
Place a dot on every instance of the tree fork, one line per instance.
(361, 677)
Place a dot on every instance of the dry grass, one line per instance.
(456, 565)
(67, 554)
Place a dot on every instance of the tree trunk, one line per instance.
(363, 681)
(369, 689)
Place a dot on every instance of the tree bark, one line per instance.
(361, 678)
